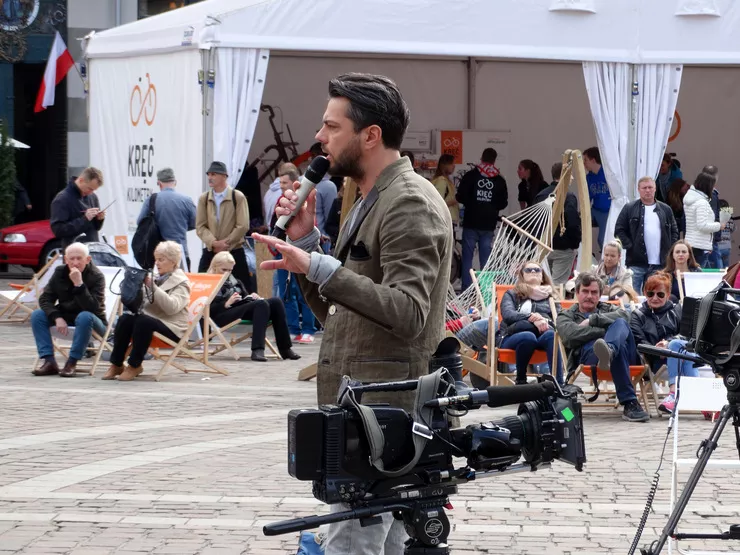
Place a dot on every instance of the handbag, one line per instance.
(132, 289)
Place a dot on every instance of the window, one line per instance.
(155, 7)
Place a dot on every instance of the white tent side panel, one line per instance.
(145, 114)
(625, 30)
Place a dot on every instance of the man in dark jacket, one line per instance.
(598, 334)
(483, 192)
(22, 202)
(76, 209)
(647, 229)
(565, 244)
(75, 296)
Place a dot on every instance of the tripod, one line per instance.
(730, 411)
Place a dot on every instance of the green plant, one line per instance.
(7, 177)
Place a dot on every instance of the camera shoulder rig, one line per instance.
(427, 389)
(705, 310)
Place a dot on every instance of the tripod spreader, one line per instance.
(732, 534)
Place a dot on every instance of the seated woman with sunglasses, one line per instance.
(657, 323)
(528, 323)
(680, 258)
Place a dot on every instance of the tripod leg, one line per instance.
(705, 451)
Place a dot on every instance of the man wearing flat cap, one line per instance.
(222, 222)
(173, 212)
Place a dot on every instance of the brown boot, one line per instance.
(69, 370)
(112, 372)
(129, 373)
(48, 368)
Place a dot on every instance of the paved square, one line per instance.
(197, 466)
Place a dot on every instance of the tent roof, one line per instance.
(636, 31)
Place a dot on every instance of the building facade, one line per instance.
(57, 136)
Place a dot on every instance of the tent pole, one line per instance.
(472, 74)
(632, 139)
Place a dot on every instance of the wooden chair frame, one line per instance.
(34, 286)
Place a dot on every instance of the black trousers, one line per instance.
(240, 271)
(260, 312)
(138, 330)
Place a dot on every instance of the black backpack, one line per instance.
(147, 237)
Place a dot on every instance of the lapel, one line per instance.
(346, 234)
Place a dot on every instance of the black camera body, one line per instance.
(724, 317)
(328, 446)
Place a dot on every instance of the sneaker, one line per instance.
(668, 404)
(709, 415)
(633, 413)
(604, 353)
(304, 338)
(298, 337)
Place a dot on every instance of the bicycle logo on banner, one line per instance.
(145, 105)
(453, 142)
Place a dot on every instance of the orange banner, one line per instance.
(452, 143)
(121, 242)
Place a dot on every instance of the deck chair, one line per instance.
(640, 376)
(20, 303)
(506, 356)
(63, 344)
(203, 289)
(219, 342)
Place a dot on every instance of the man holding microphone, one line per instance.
(382, 296)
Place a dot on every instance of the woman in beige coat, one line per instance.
(165, 311)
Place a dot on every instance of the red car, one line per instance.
(32, 244)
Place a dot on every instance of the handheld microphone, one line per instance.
(315, 173)
(667, 353)
(497, 396)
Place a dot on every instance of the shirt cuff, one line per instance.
(309, 242)
(322, 268)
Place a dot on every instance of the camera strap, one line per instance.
(425, 391)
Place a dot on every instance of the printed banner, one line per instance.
(145, 115)
(451, 142)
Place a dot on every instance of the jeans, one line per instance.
(640, 274)
(476, 334)
(301, 320)
(619, 337)
(718, 258)
(702, 257)
(84, 324)
(471, 238)
(525, 343)
(600, 218)
(260, 312)
(137, 330)
(676, 366)
(349, 537)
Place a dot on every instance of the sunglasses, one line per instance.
(651, 294)
(532, 270)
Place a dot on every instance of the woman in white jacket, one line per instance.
(700, 224)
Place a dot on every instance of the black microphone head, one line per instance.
(317, 170)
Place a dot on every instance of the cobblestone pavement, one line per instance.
(197, 466)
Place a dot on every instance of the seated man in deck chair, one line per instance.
(596, 333)
(74, 296)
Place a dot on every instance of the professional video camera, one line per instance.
(712, 326)
(379, 459)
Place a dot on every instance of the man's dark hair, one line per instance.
(587, 278)
(316, 150)
(373, 100)
(705, 183)
(594, 154)
(556, 170)
(711, 170)
(489, 156)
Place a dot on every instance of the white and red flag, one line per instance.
(59, 64)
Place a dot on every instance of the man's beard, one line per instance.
(347, 162)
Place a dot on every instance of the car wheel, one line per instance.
(50, 249)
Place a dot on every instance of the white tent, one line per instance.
(185, 87)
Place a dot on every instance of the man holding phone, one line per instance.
(76, 209)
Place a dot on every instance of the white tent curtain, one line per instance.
(658, 86)
(240, 81)
(608, 86)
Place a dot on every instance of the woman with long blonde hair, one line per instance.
(610, 269)
(528, 323)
